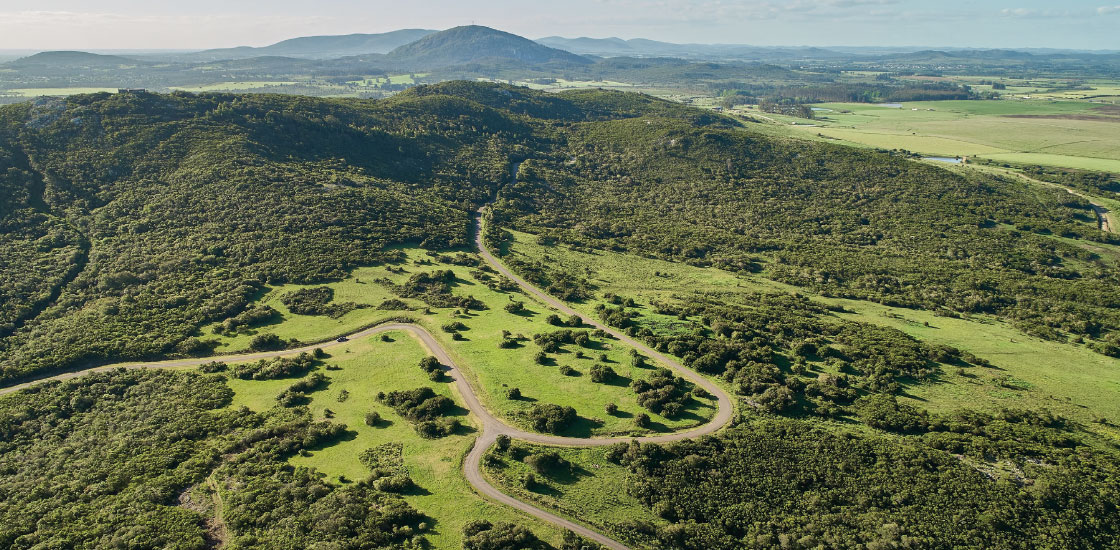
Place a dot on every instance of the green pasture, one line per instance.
(365, 368)
(493, 370)
(1054, 133)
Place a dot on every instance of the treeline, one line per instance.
(847, 93)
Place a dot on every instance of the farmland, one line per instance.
(1072, 134)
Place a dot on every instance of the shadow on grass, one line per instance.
(580, 427)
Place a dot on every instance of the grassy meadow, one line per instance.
(369, 366)
(493, 370)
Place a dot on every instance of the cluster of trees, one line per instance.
(555, 280)
(252, 316)
(434, 288)
(884, 92)
(296, 394)
(427, 411)
(784, 484)
(663, 393)
(483, 535)
(277, 367)
(551, 342)
(777, 349)
(317, 301)
(788, 108)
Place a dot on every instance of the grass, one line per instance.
(370, 366)
(594, 492)
(493, 370)
(976, 128)
(1067, 378)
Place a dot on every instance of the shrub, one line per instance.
(373, 418)
(549, 461)
(551, 418)
(602, 373)
(266, 342)
(513, 393)
(642, 420)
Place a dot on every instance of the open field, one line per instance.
(366, 368)
(1067, 378)
(1074, 134)
(494, 370)
(233, 86)
(36, 92)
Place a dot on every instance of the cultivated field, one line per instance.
(1073, 134)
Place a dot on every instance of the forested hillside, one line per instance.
(833, 219)
(132, 220)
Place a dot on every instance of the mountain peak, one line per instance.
(475, 43)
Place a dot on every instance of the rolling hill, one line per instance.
(321, 47)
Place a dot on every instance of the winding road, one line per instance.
(492, 427)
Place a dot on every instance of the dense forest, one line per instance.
(132, 459)
(785, 484)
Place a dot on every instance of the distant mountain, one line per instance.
(70, 59)
(477, 44)
(589, 46)
(641, 47)
(321, 47)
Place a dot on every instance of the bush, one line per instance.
(453, 326)
(642, 421)
(266, 342)
(515, 307)
(373, 418)
(568, 371)
(551, 418)
(547, 462)
(602, 374)
(483, 535)
(611, 408)
(513, 394)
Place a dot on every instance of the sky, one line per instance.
(197, 24)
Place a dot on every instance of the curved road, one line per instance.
(492, 426)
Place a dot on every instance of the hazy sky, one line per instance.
(102, 24)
